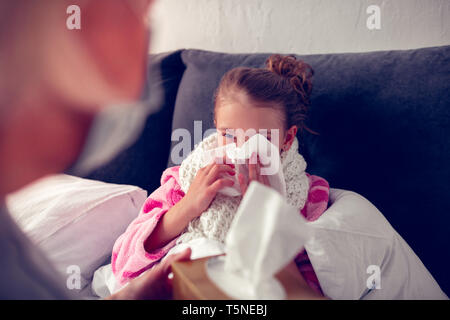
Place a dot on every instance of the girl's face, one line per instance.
(239, 118)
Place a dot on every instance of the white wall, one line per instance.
(298, 26)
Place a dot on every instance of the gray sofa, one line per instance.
(384, 124)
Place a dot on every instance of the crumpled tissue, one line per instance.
(269, 157)
(265, 235)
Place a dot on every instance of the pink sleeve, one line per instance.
(315, 205)
(129, 257)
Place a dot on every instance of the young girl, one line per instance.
(188, 206)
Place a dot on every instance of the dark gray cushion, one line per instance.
(384, 124)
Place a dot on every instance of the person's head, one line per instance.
(274, 98)
(54, 80)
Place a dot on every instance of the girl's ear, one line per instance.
(289, 138)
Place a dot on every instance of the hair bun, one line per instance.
(298, 72)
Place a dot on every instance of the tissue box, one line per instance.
(190, 282)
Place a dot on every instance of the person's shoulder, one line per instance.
(317, 181)
(318, 197)
(319, 189)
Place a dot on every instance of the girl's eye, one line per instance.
(227, 135)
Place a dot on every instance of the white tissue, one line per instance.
(269, 157)
(265, 235)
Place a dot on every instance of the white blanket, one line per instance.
(355, 253)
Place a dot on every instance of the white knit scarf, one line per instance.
(215, 221)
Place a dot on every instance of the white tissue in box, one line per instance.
(265, 235)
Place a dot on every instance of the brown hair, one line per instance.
(285, 83)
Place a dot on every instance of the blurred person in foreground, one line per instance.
(53, 83)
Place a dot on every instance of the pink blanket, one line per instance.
(130, 259)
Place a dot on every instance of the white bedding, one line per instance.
(104, 283)
(350, 240)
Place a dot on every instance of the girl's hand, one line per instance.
(254, 174)
(208, 181)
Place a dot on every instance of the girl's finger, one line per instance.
(252, 174)
(259, 178)
(262, 177)
(222, 160)
(207, 168)
(243, 184)
(265, 180)
(217, 161)
(258, 171)
(219, 184)
(217, 170)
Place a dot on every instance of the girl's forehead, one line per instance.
(239, 115)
